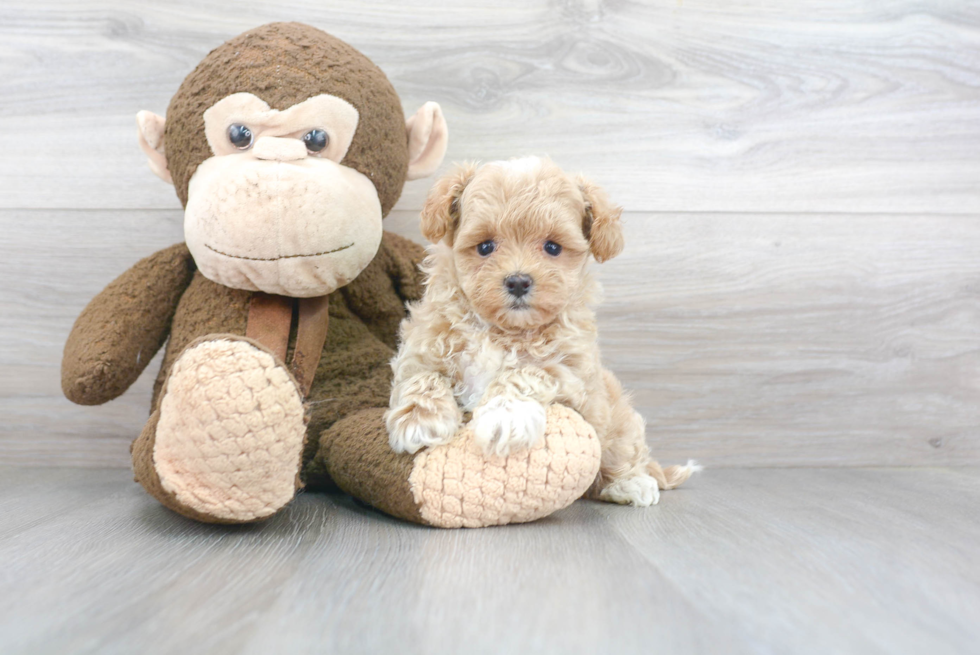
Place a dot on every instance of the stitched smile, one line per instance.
(273, 259)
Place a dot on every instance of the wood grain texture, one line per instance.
(747, 340)
(58, 261)
(806, 292)
(824, 105)
(739, 561)
(800, 340)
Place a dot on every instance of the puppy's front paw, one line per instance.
(412, 427)
(641, 491)
(505, 424)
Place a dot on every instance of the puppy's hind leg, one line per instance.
(628, 474)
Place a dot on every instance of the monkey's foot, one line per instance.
(457, 484)
(226, 444)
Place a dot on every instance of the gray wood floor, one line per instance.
(741, 561)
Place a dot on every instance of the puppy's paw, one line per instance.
(412, 427)
(640, 490)
(505, 424)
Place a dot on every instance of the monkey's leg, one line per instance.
(458, 485)
(226, 442)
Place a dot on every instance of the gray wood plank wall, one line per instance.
(801, 284)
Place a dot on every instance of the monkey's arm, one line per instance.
(405, 258)
(120, 330)
(378, 295)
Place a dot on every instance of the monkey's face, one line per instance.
(273, 209)
(286, 147)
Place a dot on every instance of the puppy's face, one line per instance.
(521, 232)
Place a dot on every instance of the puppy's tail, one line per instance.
(673, 476)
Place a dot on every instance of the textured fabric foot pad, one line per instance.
(230, 435)
(457, 485)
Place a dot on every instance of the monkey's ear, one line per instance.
(440, 214)
(428, 137)
(601, 224)
(151, 143)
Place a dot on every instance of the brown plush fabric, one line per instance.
(283, 64)
(380, 292)
(353, 372)
(123, 327)
(358, 458)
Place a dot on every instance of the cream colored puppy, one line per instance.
(506, 324)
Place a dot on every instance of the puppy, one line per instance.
(506, 325)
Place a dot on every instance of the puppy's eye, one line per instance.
(485, 248)
(552, 248)
(240, 136)
(316, 140)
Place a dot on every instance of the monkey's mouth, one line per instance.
(275, 259)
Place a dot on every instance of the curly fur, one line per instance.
(470, 345)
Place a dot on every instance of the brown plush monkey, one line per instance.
(280, 311)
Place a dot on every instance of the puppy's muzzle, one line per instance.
(518, 285)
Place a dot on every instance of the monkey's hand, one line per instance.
(123, 327)
(423, 413)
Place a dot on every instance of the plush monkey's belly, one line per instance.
(353, 372)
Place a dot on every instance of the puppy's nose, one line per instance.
(518, 285)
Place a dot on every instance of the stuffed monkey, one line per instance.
(280, 311)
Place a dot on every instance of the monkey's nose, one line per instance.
(518, 285)
(274, 148)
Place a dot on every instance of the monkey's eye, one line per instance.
(240, 136)
(552, 248)
(485, 248)
(316, 140)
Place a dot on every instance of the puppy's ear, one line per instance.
(601, 224)
(440, 214)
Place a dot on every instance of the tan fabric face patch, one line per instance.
(295, 228)
(457, 485)
(337, 117)
(231, 431)
(274, 215)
